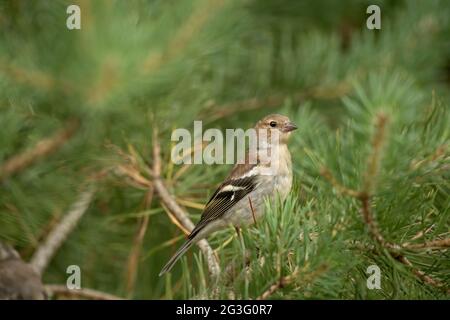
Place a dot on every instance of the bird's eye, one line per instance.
(273, 124)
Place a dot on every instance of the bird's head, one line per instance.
(277, 122)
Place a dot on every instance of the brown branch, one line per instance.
(421, 233)
(35, 78)
(57, 289)
(175, 221)
(180, 214)
(43, 148)
(420, 274)
(365, 195)
(134, 176)
(326, 173)
(436, 155)
(441, 243)
(392, 248)
(372, 224)
(287, 280)
(373, 163)
(133, 258)
(282, 282)
(45, 252)
(157, 167)
(251, 208)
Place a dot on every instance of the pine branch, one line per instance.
(440, 243)
(45, 252)
(133, 258)
(440, 152)
(365, 195)
(282, 282)
(57, 289)
(289, 279)
(33, 78)
(134, 176)
(253, 210)
(168, 200)
(422, 275)
(326, 173)
(175, 221)
(372, 224)
(43, 148)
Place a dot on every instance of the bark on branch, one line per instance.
(365, 196)
(83, 293)
(43, 148)
(45, 252)
(180, 214)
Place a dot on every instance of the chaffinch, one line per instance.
(239, 200)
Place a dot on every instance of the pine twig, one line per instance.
(440, 152)
(45, 252)
(365, 196)
(282, 282)
(170, 203)
(420, 274)
(136, 179)
(133, 258)
(372, 224)
(286, 280)
(175, 221)
(326, 173)
(420, 234)
(57, 289)
(251, 208)
(373, 163)
(43, 148)
(35, 78)
(440, 243)
(394, 249)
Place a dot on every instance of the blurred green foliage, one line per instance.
(139, 64)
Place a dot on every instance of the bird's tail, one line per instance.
(185, 247)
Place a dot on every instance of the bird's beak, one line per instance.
(290, 126)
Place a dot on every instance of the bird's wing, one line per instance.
(235, 187)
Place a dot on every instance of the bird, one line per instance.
(18, 280)
(239, 200)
